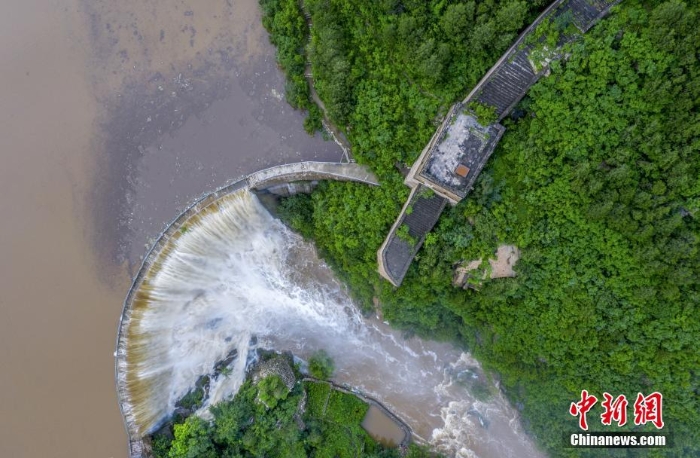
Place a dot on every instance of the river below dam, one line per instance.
(237, 279)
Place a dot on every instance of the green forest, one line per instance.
(265, 419)
(596, 180)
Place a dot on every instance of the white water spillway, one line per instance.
(233, 272)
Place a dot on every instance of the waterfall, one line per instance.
(233, 272)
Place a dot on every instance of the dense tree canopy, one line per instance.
(597, 182)
(321, 365)
(269, 420)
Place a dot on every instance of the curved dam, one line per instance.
(226, 276)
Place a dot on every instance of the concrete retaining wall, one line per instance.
(408, 432)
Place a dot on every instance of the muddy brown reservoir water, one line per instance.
(56, 318)
(382, 428)
(191, 98)
(113, 115)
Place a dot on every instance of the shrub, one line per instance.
(321, 365)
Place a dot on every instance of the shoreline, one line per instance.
(408, 432)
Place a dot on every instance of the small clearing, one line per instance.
(501, 267)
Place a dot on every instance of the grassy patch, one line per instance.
(345, 408)
(317, 397)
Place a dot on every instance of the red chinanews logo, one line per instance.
(614, 410)
(647, 409)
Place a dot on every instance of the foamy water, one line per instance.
(236, 273)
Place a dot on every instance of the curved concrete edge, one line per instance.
(304, 171)
(262, 179)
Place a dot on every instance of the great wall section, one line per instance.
(449, 165)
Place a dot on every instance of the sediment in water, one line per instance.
(229, 271)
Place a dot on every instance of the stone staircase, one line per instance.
(508, 84)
